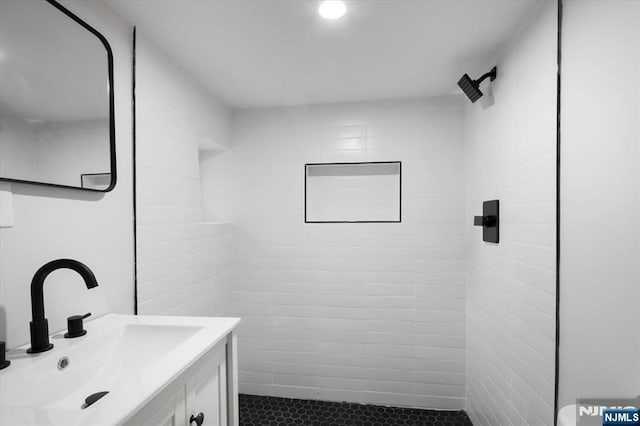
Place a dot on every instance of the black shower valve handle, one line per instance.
(488, 221)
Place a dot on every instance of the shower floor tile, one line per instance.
(265, 410)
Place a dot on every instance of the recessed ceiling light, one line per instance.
(332, 9)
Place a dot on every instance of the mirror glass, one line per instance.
(56, 104)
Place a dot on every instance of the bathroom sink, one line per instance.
(130, 357)
(96, 365)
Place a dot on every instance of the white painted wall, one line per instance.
(600, 228)
(184, 267)
(55, 223)
(357, 312)
(510, 155)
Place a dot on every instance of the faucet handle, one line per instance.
(4, 362)
(75, 326)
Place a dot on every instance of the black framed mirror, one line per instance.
(57, 124)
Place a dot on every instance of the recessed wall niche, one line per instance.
(368, 192)
(215, 164)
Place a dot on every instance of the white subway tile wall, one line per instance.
(358, 312)
(184, 267)
(510, 154)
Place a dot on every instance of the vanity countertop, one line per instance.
(131, 357)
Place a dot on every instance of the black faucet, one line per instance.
(39, 325)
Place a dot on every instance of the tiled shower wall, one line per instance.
(510, 155)
(357, 312)
(184, 266)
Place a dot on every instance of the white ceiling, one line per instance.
(266, 53)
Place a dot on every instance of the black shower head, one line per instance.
(471, 88)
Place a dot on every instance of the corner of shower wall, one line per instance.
(184, 266)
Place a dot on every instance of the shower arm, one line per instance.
(493, 73)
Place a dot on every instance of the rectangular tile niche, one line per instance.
(353, 192)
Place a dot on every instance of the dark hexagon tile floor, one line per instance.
(270, 411)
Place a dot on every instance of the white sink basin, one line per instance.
(131, 357)
(96, 365)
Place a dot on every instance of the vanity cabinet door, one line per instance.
(207, 391)
(171, 413)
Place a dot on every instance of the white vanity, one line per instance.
(157, 370)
